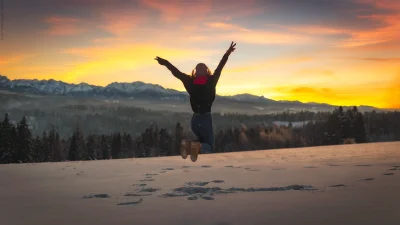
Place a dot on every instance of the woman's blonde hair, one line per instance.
(202, 68)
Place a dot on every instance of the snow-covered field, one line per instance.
(347, 184)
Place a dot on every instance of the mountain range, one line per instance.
(134, 90)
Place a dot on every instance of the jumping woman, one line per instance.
(201, 88)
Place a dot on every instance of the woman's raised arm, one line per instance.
(218, 70)
(178, 74)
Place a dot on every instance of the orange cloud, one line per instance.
(253, 36)
(228, 31)
(121, 21)
(7, 60)
(57, 19)
(358, 38)
(226, 26)
(315, 71)
(176, 10)
(267, 64)
(387, 33)
(382, 59)
(312, 75)
(370, 37)
(112, 59)
(308, 90)
(63, 26)
(111, 40)
(315, 29)
(182, 31)
(237, 9)
(384, 4)
(202, 10)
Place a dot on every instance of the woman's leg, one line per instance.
(203, 129)
(194, 125)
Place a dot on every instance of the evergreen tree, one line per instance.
(325, 128)
(47, 153)
(91, 147)
(127, 146)
(80, 143)
(7, 140)
(104, 147)
(352, 117)
(219, 140)
(155, 141)
(54, 145)
(139, 147)
(24, 143)
(178, 138)
(13, 147)
(51, 144)
(164, 142)
(2, 141)
(359, 128)
(38, 150)
(346, 125)
(334, 126)
(73, 153)
(77, 149)
(57, 148)
(116, 146)
(156, 137)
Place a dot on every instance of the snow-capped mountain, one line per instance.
(50, 86)
(53, 87)
(134, 90)
(249, 98)
(139, 86)
(4, 81)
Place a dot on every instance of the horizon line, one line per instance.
(216, 94)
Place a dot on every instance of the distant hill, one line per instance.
(145, 91)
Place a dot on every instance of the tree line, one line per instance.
(19, 145)
(100, 119)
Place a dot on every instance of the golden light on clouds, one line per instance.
(97, 61)
(63, 26)
(281, 53)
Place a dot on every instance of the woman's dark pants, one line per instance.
(202, 127)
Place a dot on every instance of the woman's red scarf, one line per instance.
(200, 80)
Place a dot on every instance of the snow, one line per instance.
(4, 81)
(248, 97)
(52, 86)
(58, 87)
(138, 87)
(347, 184)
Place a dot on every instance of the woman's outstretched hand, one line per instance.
(161, 61)
(231, 48)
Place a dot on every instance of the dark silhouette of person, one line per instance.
(201, 86)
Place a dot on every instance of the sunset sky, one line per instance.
(343, 52)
